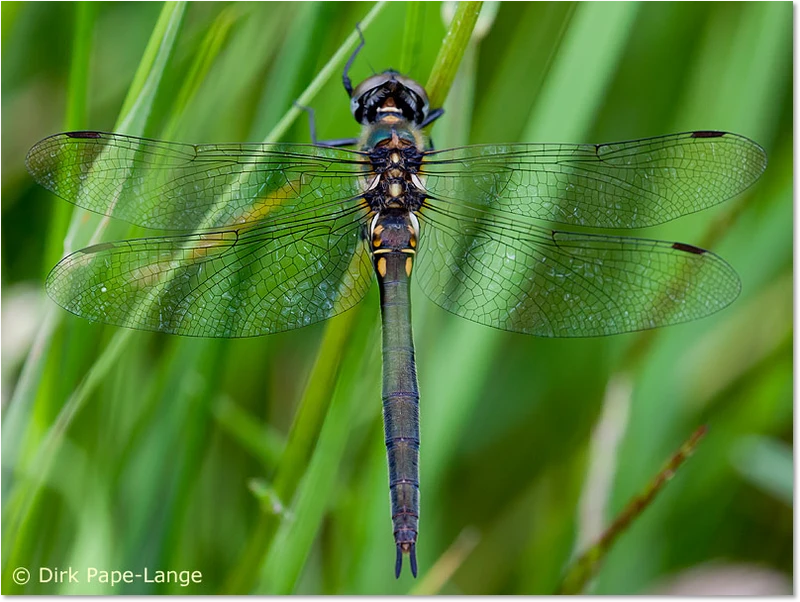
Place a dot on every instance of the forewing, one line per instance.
(172, 186)
(619, 185)
(227, 283)
(524, 278)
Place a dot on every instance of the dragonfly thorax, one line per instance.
(396, 155)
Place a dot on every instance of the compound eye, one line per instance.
(414, 87)
(367, 86)
(407, 95)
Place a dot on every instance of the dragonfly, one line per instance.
(272, 237)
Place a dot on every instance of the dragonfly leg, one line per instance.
(312, 126)
(432, 116)
(336, 142)
(348, 85)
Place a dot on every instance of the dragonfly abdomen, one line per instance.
(401, 420)
(393, 238)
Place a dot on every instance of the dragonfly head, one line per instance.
(389, 93)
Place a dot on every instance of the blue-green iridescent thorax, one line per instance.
(396, 150)
(381, 133)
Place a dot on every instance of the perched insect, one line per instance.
(285, 235)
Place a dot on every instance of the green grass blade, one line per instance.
(282, 86)
(265, 443)
(583, 69)
(23, 498)
(412, 37)
(768, 464)
(75, 118)
(452, 51)
(209, 50)
(79, 65)
(715, 76)
(300, 526)
(330, 68)
(471, 347)
(586, 566)
(136, 108)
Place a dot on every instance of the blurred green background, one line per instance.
(261, 462)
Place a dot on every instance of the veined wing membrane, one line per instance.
(226, 283)
(173, 186)
(619, 185)
(523, 278)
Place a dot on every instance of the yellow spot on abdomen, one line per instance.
(381, 265)
(409, 265)
(376, 236)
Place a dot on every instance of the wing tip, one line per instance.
(43, 148)
(758, 154)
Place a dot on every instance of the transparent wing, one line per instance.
(524, 278)
(229, 283)
(619, 185)
(172, 186)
